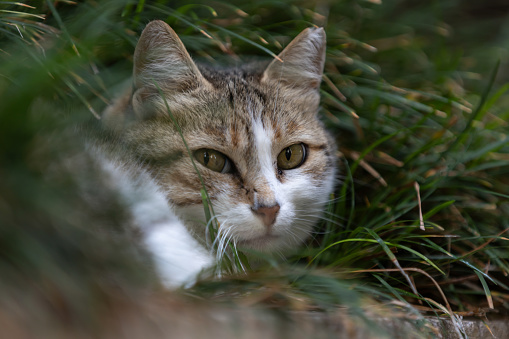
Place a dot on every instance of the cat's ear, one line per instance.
(161, 58)
(301, 62)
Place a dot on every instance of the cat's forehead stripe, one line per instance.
(263, 144)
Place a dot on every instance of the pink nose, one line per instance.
(267, 214)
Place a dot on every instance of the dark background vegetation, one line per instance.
(416, 92)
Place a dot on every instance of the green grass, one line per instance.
(413, 96)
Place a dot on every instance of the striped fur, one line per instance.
(248, 113)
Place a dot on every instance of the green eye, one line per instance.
(291, 157)
(213, 160)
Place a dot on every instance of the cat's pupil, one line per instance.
(288, 153)
(206, 158)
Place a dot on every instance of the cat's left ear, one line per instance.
(302, 61)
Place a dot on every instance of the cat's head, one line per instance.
(267, 162)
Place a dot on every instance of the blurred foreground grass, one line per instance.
(412, 92)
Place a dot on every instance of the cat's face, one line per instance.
(265, 159)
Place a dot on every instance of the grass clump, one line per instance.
(419, 221)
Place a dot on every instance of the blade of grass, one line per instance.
(391, 289)
(477, 112)
(240, 37)
(22, 14)
(392, 257)
(486, 288)
(61, 25)
(477, 271)
(413, 269)
(406, 248)
(437, 209)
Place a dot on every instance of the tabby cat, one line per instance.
(266, 161)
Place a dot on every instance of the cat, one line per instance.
(253, 134)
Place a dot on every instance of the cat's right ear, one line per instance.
(161, 58)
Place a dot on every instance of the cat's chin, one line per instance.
(266, 243)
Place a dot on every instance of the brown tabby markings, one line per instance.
(250, 115)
